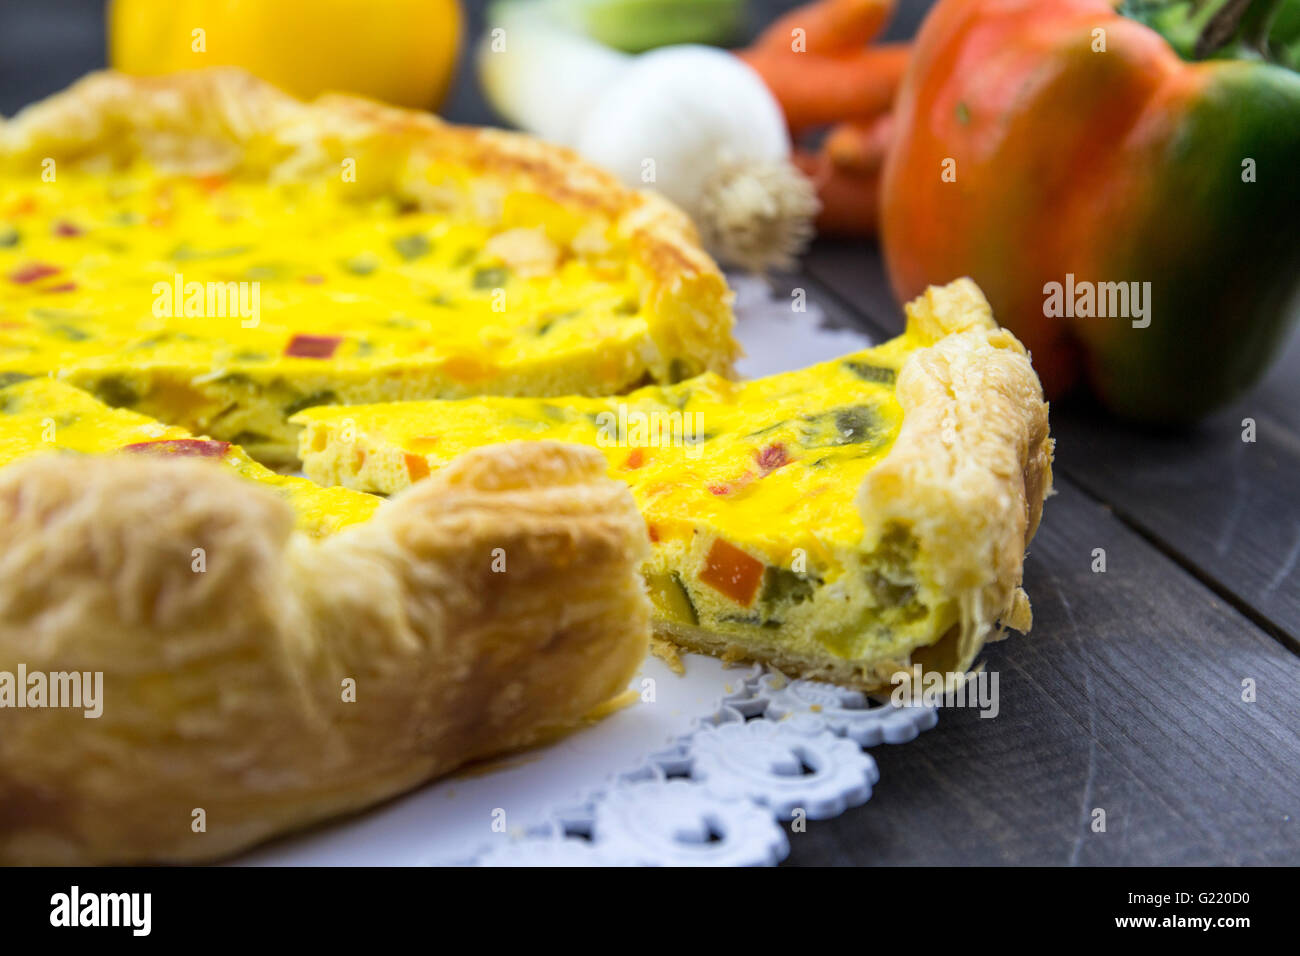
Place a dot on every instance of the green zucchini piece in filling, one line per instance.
(876, 374)
(412, 247)
(851, 425)
(670, 597)
(782, 584)
(308, 401)
(115, 391)
(361, 265)
(490, 278)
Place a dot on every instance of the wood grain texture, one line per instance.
(1229, 509)
(1126, 696)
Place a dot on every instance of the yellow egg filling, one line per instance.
(747, 490)
(226, 305)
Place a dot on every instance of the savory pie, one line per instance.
(844, 521)
(257, 678)
(206, 250)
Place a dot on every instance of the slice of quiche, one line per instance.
(208, 251)
(271, 676)
(843, 522)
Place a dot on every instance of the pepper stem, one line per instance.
(1251, 20)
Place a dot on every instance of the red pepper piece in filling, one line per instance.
(180, 447)
(417, 466)
(727, 487)
(313, 346)
(66, 230)
(732, 572)
(31, 272)
(771, 458)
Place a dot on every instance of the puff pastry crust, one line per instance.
(226, 691)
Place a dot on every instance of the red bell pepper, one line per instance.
(1073, 154)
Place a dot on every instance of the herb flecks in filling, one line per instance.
(356, 293)
(750, 511)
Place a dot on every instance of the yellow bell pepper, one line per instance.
(400, 51)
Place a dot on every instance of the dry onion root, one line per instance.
(758, 216)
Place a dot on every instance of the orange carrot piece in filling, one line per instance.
(417, 466)
(732, 572)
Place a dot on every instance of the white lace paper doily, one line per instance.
(774, 751)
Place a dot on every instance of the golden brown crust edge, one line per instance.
(225, 690)
(970, 470)
(965, 480)
(223, 119)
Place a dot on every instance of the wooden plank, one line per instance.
(1228, 510)
(853, 271)
(1278, 397)
(1126, 697)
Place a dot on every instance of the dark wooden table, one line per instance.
(1128, 695)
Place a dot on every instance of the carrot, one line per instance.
(817, 90)
(859, 146)
(850, 201)
(829, 26)
(817, 64)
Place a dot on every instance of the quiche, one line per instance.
(843, 522)
(255, 677)
(206, 250)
